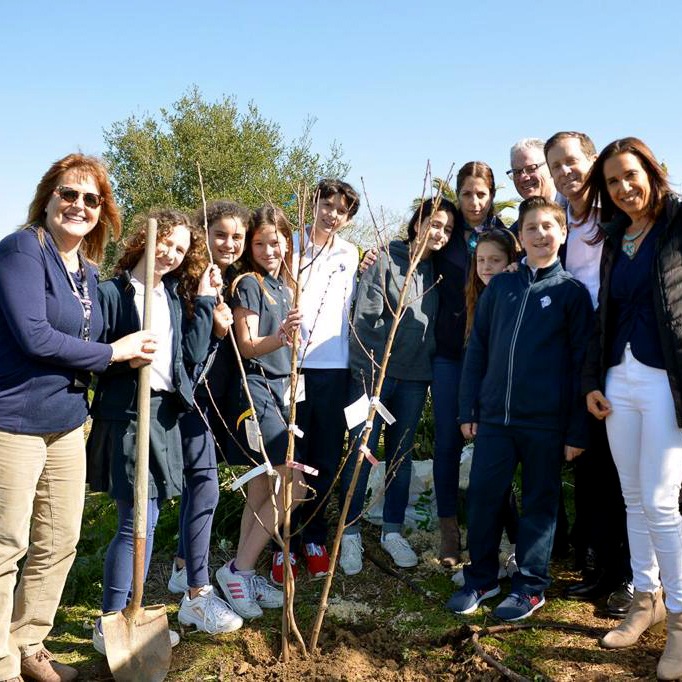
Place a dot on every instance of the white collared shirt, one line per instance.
(582, 258)
(328, 288)
(162, 365)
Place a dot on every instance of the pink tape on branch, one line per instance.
(303, 467)
(368, 455)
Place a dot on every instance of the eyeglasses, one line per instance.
(71, 196)
(527, 170)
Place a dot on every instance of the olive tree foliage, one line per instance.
(243, 156)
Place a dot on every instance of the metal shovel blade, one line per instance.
(138, 647)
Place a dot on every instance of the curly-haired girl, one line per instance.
(182, 318)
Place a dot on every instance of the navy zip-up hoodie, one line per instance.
(526, 351)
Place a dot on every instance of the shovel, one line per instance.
(137, 639)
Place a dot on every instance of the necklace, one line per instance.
(629, 246)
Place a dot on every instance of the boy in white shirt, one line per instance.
(327, 280)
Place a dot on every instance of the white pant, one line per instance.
(647, 448)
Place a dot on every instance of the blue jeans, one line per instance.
(405, 401)
(118, 563)
(449, 440)
(499, 449)
(199, 495)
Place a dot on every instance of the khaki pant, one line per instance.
(42, 486)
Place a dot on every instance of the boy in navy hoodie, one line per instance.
(520, 399)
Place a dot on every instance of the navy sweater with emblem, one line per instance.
(526, 351)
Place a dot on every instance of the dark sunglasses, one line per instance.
(90, 199)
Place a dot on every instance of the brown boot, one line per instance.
(449, 542)
(646, 611)
(670, 664)
(41, 667)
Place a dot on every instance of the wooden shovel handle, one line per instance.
(142, 444)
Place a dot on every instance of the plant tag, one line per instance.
(252, 473)
(368, 455)
(303, 467)
(265, 468)
(300, 389)
(381, 409)
(296, 431)
(252, 433)
(356, 412)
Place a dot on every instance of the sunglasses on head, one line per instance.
(70, 195)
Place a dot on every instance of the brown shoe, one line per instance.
(41, 667)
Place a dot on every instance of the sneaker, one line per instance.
(208, 612)
(316, 559)
(266, 596)
(237, 590)
(350, 559)
(518, 606)
(98, 638)
(399, 548)
(467, 600)
(277, 570)
(177, 583)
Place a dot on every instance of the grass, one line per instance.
(408, 633)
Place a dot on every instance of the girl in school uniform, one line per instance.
(182, 318)
(264, 328)
(204, 435)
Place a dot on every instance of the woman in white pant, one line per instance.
(636, 358)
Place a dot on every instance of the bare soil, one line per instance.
(381, 628)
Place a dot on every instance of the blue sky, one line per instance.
(396, 83)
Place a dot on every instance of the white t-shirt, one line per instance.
(582, 259)
(161, 376)
(328, 288)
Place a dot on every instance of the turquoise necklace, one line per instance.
(629, 245)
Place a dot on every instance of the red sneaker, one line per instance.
(316, 559)
(277, 571)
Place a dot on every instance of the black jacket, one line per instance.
(451, 267)
(525, 353)
(667, 274)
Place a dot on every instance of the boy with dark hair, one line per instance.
(327, 277)
(520, 398)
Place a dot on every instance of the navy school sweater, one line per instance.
(526, 351)
(41, 324)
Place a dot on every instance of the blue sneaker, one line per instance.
(468, 599)
(518, 606)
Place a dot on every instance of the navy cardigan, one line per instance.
(41, 322)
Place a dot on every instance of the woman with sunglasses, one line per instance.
(49, 316)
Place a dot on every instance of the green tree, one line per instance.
(243, 157)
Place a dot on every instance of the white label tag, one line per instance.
(381, 409)
(296, 431)
(356, 412)
(300, 389)
(252, 433)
